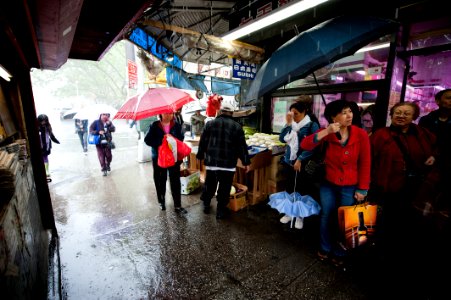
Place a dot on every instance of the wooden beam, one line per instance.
(213, 43)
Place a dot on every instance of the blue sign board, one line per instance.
(148, 43)
(243, 69)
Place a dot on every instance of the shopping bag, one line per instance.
(93, 139)
(183, 150)
(357, 224)
(166, 157)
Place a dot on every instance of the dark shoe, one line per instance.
(181, 210)
(162, 206)
(224, 214)
(207, 210)
(108, 168)
(322, 255)
(85, 150)
(338, 261)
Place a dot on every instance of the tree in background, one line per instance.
(101, 81)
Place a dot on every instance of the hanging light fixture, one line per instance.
(5, 74)
(275, 16)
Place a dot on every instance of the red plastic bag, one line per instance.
(183, 150)
(165, 156)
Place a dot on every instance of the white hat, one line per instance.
(227, 107)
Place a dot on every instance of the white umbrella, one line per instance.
(92, 112)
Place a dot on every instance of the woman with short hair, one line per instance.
(347, 172)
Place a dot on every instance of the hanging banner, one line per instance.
(132, 71)
(243, 69)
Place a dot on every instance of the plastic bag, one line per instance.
(183, 150)
(94, 139)
(166, 158)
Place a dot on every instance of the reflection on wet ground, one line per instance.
(117, 244)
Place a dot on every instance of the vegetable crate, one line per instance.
(238, 200)
(190, 181)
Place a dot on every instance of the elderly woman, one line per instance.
(347, 178)
(402, 155)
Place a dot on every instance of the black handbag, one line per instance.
(315, 167)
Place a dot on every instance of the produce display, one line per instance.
(264, 140)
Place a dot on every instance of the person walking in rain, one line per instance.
(81, 128)
(46, 138)
(104, 127)
(221, 144)
(154, 138)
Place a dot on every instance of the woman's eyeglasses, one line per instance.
(399, 113)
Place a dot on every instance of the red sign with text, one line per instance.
(132, 70)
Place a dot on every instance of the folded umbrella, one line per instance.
(294, 204)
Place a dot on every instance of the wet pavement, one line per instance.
(115, 243)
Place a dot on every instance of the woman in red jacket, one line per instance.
(347, 165)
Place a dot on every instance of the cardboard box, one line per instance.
(238, 200)
(190, 181)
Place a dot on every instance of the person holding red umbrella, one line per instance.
(154, 138)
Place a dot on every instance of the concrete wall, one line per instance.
(24, 243)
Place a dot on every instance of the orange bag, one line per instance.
(357, 224)
(165, 155)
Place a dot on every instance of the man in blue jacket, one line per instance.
(221, 143)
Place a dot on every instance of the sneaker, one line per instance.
(181, 210)
(322, 255)
(285, 219)
(299, 223)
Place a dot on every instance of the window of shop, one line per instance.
(366, 64)
(280, 106)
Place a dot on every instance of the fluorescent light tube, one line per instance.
(375, 47)
(5, 74)
(276, 15)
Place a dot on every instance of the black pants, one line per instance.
(305, 185)
(212, 179)
(160, 176)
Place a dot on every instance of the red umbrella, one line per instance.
(153, 102)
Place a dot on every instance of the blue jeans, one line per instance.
(331, 197)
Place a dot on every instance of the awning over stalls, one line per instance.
(180, 79)
(143, 40)
(225, 87)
